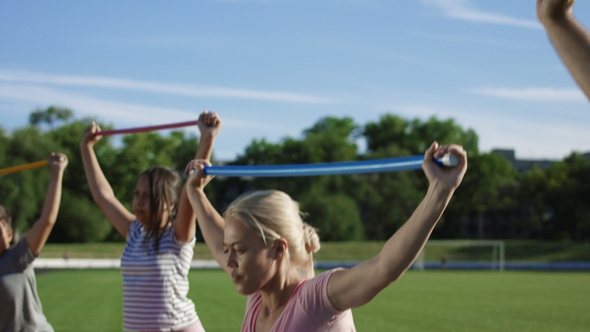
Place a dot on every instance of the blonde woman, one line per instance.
(263, 244)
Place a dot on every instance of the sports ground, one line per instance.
(91, 300)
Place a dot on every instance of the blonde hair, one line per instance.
(273, 215)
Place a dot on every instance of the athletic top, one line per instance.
(20, 307)
(155, 285)
(309, 309)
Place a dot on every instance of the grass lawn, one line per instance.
(91, 300)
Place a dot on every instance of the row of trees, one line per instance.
(494, 200)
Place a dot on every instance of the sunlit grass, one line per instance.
(91, 300)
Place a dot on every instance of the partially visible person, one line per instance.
(20, 307)
(160, 233)
(264, 245)
(569, 38)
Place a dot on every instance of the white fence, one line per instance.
(98, 263)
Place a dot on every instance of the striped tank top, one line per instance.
(155, 286)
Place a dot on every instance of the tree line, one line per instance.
(493, 202)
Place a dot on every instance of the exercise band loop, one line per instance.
(24, 167)
(148, 128)
(350, 167)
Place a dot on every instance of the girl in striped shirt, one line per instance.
(160, 234)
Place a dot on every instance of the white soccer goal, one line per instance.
(461, 254)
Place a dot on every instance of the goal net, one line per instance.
(461, 254)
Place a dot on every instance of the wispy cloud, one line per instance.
(538, 94)
(121, 114)
(462, 10)
(161, 88)
(90, 106)
(532, 136)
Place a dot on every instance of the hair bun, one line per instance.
(311, 238)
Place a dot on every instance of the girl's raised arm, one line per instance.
(351, 288)
(39, 232)
(101, 189)
(185, 225)
(569, 38)
(210, 221)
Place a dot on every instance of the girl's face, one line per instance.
(251, 263)
(5, 237)
(141, 201)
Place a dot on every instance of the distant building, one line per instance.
(523, 165)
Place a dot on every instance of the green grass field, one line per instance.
(91, 300)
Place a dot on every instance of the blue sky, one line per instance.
(272, 68)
